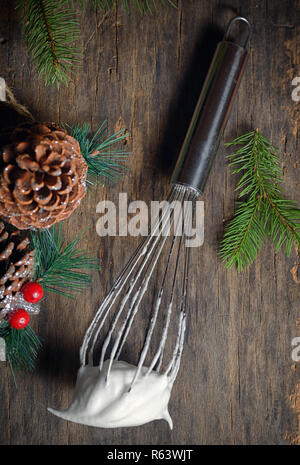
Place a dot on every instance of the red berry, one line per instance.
(32, 292)
(19, 318)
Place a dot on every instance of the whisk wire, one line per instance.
(140, 269)
(160, 293)
(115, 292)
(146, 261)
(160, 352)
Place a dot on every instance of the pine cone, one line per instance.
(16, 260)
(42, 176)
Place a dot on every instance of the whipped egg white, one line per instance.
(111, 402)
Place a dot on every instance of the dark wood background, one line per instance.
(145, 73)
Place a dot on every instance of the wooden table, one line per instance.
(145, 73)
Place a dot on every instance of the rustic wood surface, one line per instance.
(145, 73)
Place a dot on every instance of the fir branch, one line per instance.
(263, 210)
(283, 217)
(61, 269)
(21, 346)
(244, 235)
(103, 162)
(50, 29)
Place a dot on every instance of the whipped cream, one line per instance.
(111, 402)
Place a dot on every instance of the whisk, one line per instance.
(116, 393)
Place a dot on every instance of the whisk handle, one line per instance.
(211, 113)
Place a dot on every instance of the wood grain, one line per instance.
(145, 73)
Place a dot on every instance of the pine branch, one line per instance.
(244, 236)
(61, 269)
(103, 162)
(21, 345)
(263, 210)
(284, 222)
(50, 30)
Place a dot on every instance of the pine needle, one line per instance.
(61, 269)
(21, 345)
(243, 237)
(50, 29)
(262, 209)
(103, 162)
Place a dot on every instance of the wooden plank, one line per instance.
(145, 73)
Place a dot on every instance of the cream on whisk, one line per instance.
(114, 402)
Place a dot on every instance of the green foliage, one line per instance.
(50, 30)
(61, 269)
(22, 346)
(103, 162)
(244, 235)
(262, 210)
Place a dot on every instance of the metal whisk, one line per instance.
(127, 293)
(191, 172)
(157, 275)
